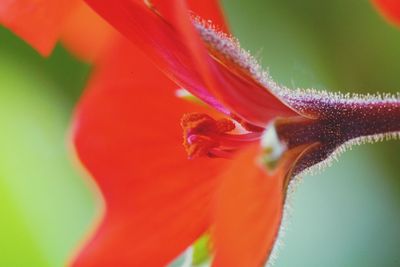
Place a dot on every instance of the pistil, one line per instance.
(205, 136)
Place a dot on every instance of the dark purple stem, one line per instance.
(336, 122)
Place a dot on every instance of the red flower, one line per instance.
(242, 154)
(128, 136)
(159, 202)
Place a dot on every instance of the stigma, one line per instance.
(204, 136)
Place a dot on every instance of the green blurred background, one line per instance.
(349, 215)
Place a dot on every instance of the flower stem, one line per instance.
(336, 122)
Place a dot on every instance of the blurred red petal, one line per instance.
(38, 22)
(86, 34)
(249, 210)
(390, 9)
(128, 136)
(165, 32)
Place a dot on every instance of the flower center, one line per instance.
(206, 136)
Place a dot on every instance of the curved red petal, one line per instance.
(249, 210)
(390, 9)
(158, 40)
(38, 22)
(165, 32)
(240, 93)
(127, 134)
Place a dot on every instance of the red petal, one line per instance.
(240, 93)
(389, 9)
(249, 211)
(176, 47)
(86, 34)
(158, 39)
(38, 22)
(127, 134)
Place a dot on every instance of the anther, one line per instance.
(205, 136)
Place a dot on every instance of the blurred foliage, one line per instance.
(45, 206)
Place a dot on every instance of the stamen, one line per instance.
(246, 125)
(205, 136)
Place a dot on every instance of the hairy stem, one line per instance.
(337, 121)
